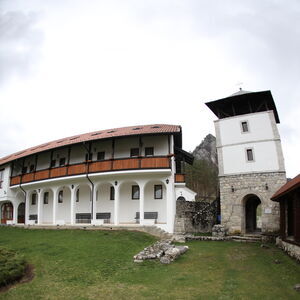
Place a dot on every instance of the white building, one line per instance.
(121, 176)
(251, 165)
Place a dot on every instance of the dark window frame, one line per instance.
(112, 193)
(53, 163)
(245, 126)
(149, 151)
(77, 195)
(134, 152)
(89, 156)
(250, 154)
(101, 155)
(60, 196)
(62, 161)
(46, 198)
(135, 189)
(33, 198)
(156, 188)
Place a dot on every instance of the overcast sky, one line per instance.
(75, 66)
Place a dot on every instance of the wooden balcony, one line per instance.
(162, 162)
(179, 178)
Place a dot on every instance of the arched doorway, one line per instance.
(6, 212)
(21, 213)
(252, 214)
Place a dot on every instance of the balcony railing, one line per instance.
(158, 162)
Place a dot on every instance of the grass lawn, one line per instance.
(78, 264)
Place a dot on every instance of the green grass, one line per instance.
(12, 266)
(78, 264)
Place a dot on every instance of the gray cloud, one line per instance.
(20, 43)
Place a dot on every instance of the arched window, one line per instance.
(60, 196)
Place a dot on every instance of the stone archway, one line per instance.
(252, 206)
(6, 212)
(21, 213)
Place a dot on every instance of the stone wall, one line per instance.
(234, 190)
(193, 217)
(291, 249)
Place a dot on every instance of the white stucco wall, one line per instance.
(159, 143)
(43, 161)
(128, 207)
(183, 191)
(260, 128)
(156, 205)
(63, 212)
(263, 138)
(103, 202)
(77, 154)
(84, 204)
(47, 209)
(235, 158)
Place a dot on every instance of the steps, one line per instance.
(158, 232)
(247, 238)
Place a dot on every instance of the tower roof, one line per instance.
(243, 102)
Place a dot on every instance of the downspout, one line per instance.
(20, 185)
(88, 178)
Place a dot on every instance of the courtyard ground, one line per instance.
(84, 264)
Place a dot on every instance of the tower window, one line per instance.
(250, 156)
(245, 127)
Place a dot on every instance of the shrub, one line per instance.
(12, 266)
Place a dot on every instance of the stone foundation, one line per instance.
(234, 190)
(291, 249)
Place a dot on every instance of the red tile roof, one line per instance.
(289, 186)
(96, 135)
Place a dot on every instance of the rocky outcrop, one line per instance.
(165, 251)
(207, 150)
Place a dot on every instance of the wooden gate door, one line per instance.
(6, 212)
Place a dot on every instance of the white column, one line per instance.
(94, 203)
(15, 212)
(27, 205)
(73, 197)
(55, 194)
(39, 208)
(170, 206)
(116, 204)
(142, 200)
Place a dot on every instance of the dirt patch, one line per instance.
(27, 277)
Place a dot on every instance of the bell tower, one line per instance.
(251, 164)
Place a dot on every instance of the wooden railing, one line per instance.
(161, 162)
(179, 177)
